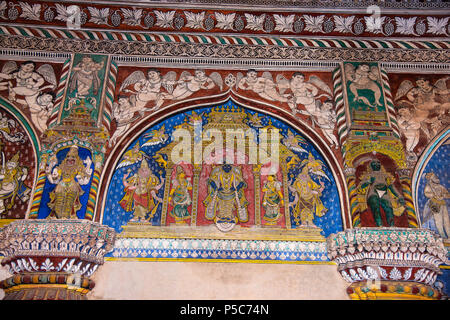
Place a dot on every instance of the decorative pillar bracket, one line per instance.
(52, 259)
(388, 263)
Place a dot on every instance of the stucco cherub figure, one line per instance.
(41, 108)
(263, 85)
(26, 81)
(410, 129)
(188, 84)
(26, 86)
(69, 176)
(428, 103)
(325, 118)
(148, 89)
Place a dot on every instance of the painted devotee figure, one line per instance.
(226, 195)
(435, 209)
(85, 76)
(382, 198)
(272, 200)
(12, 177)
(180, 197)
(307, 203)
(68, 176)
(141, 193)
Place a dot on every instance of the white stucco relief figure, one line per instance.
(6, 128)
(188, 84)
(306, 94)
(263, 85)
(124, 114)
(26, 86)
(325, 118)
(410, 129)
(303, 95)
(423, 108)
(147, 92)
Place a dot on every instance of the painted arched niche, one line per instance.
(432, 189)
(194, 194)
(18, 162)
(65, 193)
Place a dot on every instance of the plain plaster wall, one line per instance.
(216, 280)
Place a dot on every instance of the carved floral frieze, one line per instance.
(198, 20)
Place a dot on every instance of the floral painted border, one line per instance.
(246, 250)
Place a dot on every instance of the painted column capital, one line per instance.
(52, 257)
(388, 262)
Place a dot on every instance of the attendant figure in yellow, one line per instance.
(307, 203)
(180, 197)
(226, 195)
(272, 200)
(12, 177)
(141, 193)
(68, 176)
